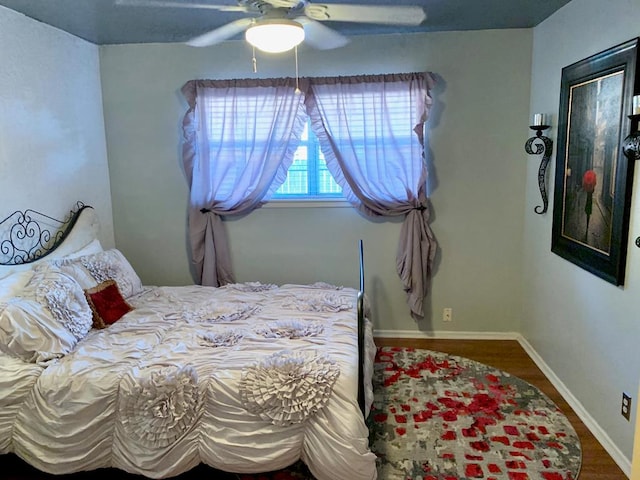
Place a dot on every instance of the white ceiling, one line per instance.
(103, 22)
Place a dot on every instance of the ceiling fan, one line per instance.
(280, 25)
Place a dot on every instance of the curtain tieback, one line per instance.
(421, 208)
(204, 210)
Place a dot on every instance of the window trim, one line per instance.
(340, 202)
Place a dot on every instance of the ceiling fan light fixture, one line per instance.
(275, 36)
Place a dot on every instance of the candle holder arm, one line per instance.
(631, 144)
(544, 148)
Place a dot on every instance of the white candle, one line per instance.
(538, 119)
(636, 105)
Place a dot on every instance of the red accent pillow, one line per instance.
(107, 304)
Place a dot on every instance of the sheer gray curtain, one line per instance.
(371, 131)
(239, 141)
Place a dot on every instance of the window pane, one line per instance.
(326, 183)
(308, 175)
(296, 182)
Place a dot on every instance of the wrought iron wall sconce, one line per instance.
(543, 146)
(631, 144)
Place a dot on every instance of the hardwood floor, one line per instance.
(509, 356)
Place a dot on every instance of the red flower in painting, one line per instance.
(589, 181)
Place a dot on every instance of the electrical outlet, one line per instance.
(447, 314)
(626, 406)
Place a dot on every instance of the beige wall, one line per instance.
(52, 145)
(586, 330)
(478, 128)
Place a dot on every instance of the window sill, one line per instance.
(307, 203)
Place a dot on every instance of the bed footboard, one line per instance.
(361, 328)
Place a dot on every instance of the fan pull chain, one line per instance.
(297, 85)
(254, 61)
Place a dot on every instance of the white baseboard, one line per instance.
(616, 454)
(446, 335)
(621, 460)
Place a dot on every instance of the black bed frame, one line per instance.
(26, 236)
(361, 323)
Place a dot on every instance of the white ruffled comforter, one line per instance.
(245, 378)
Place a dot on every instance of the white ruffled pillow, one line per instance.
(64, 297)
(47, 320)
(90, 270)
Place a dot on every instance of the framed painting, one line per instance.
(593, 178)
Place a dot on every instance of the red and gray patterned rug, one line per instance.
(442, 417)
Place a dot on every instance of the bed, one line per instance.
(246, 378)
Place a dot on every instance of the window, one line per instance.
(308, 176)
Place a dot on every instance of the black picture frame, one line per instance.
(593, 178)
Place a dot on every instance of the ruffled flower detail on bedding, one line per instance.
(228, 338)
(291, 329)
(326, 302)
(252, 286)
(160, 405)
(286, 387)
(214, 311)
(66, 301)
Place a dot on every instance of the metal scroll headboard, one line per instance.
(26, 236)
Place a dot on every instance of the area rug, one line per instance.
(442, 417)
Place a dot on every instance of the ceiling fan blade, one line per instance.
(383, 14)
(320, 36)
(218, 35)
(175, 4)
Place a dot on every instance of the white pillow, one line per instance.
(63, 296)
(93, 247)
(90, 270)
(12, 285)
(29, 331)
(47, 320)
